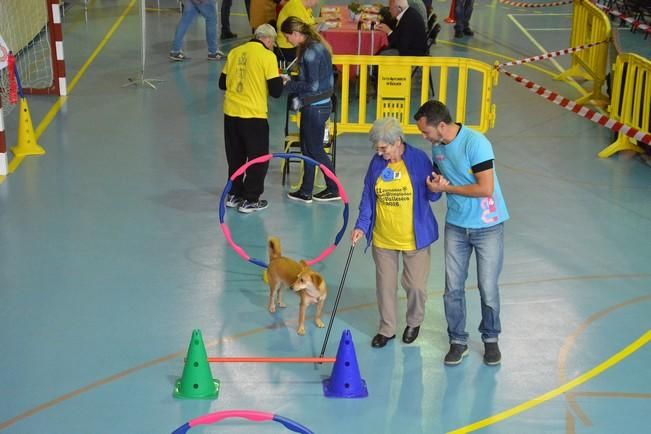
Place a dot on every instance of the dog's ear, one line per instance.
(319, 282)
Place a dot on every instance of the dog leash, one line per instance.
(334, 308)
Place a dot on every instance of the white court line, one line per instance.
(534, 41)
(541, 15)
(530, 302)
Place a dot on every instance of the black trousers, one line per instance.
(246, 139)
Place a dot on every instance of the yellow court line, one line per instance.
(501, 56)
(612, 361)
(543, 50)
(14, 163)
(225, 339)
(54, 110)
(101, 44)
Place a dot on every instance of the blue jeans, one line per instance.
(462, 13)
(205, 8)
(488, 244)
(312, 129)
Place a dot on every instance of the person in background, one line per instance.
(191, 8)
(262, 12)
(419, 7)
(249, 76)
(428, 6)
(313, 88)
(474, 221)
(301, 9)
(226, 20)
(279, 6)
(407, 38)
(462, 13)
(396, 217)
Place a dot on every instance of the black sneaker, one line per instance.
(468, 31)
(326, 196)
(458, 34)
(233, 201)
(299, 196)
(492, 355)
(456, 354)
(228, 35)
(248, 207)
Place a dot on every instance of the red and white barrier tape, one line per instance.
(550, 54)
(583, 111)
(535, 5)
(635, 24)
(568, 104)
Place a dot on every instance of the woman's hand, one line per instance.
(356, 235)
(436, 183)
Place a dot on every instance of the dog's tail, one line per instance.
(273, 246)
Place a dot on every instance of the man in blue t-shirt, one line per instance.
(464, 170)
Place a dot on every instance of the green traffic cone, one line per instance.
(197, 381)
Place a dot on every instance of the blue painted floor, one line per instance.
(111, 254)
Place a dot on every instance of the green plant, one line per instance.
(355, 7)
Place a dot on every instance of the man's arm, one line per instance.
(275, 86)
(484, 186)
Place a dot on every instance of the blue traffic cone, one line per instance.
(345, 380)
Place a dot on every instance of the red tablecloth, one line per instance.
(344, 39)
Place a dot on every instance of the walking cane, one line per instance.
(334, 308)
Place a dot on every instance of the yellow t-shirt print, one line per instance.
(394, 209)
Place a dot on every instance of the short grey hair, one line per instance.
(265, 31)
(386, 130)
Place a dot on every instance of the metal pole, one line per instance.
(143, 53)
(334, 308)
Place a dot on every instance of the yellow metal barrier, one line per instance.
(631, 100)
(589, 24)
(472, 79)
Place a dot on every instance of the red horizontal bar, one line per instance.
(272, 359)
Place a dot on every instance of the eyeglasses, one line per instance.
(383, 148)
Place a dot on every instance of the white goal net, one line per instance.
(26, 30)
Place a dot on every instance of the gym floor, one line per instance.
(111, 255)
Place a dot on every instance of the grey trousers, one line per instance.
(416, 266)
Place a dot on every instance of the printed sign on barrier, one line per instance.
(394, 92)
(4, 53)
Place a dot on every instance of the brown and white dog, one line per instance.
(298, 276)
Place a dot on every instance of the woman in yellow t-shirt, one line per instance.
(301, 9)
(395, 216)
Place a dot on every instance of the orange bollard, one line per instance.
(451, 19)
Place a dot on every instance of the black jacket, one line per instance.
(409, 35)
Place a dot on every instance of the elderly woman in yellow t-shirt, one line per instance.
(395, 216)
(301, 9)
